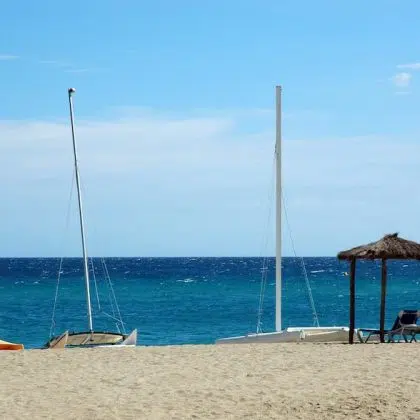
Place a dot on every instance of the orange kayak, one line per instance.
(5, 345)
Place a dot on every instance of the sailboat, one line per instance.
(290, 334)
(89, 338)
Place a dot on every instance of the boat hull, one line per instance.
(89, 340)
(293, 335)
(5, 345)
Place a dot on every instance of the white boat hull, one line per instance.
(293, 335)
(89, 340)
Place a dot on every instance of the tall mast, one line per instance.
(278, 208)
(82, 229)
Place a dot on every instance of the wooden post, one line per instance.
(352, 298)
(383, 296)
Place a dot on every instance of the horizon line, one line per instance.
(192, 256)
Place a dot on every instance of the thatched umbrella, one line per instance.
(390, 247)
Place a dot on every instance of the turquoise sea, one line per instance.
(192, 300)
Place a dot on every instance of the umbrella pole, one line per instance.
(352, 298)
(383, 296)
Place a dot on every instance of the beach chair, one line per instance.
(405, 326)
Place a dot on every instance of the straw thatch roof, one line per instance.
(389, 247)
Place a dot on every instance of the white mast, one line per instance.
(82, 230)
(278, 208)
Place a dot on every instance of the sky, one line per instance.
(175, 124)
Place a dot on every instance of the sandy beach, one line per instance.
(271, 381)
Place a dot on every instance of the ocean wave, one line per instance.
(187, 280)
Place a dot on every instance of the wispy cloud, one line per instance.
(55, 63)
(402, 79)
(198, 185)
(77, 70)
(7, 57)
(59, 64)
(409, 66)
(83, 70)
(67, 67)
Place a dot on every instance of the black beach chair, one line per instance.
(405, 326)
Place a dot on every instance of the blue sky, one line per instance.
(175, 123)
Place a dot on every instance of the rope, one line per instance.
(305, 273)
(98, 301)
(264, 269)
(112, 317)
(96, 286)
(119, 319)
(264, 273)
(116, 314)
(52, 328)
(109, 289)
(113, 301)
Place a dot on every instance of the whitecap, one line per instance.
(187, 280)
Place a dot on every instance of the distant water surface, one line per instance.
(192, 300)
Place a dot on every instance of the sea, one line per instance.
(192, 300)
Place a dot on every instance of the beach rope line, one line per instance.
(60, 268)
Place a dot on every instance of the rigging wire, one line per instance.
(52, 328)
(116, 314)
(113, 295)
(264, 269)
(96, 285)
(305, 273)
(112, 298)
(111, 302)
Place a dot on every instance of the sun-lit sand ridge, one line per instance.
(271, 381)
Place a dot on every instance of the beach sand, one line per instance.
(265, 381)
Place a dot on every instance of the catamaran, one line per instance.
(89, 338)
(290, 334)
